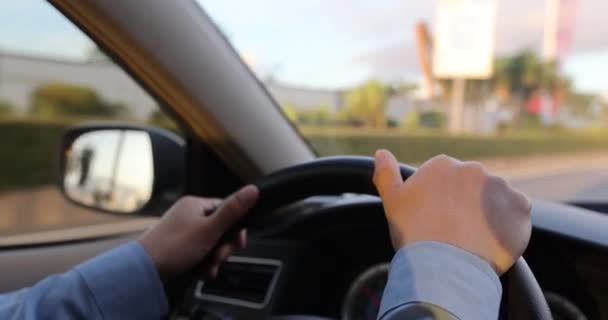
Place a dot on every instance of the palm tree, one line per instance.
(518, 77)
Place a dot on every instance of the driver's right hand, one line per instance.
(454, 202)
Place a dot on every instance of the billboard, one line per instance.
(464, 39)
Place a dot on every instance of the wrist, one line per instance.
(156, 257)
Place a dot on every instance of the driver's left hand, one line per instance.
(190, 230)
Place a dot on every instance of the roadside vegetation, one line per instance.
(30, 134)
(30, 145)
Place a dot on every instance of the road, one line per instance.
(576, 177)
(580, 176)
(587, 185)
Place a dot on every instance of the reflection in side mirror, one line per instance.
(110, 169)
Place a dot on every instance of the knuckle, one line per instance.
(441, 158)
(475, 165)
(474, 168)
(379, 170)
(442, 161)
(501, 182)
(187, 200)
(526, 203)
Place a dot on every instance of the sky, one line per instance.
(333, 43)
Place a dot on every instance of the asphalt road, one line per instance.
(588, 185)
(578, 178)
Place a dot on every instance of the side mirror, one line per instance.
(122, 169)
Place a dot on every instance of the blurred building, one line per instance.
(305, 99)
(397, 107)
(21, 74)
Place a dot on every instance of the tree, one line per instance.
(6, 109)
(515, 79)
(59, 99)
(525, 73)
(432, 119)
(320, 115)
(118, 109)
(160, 119)
(579, 103)
(411, 119)
(94, 54)
(367, 104)
(519, 77)
(291, 112)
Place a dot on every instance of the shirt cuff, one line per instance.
(443, 275)
(125, 284)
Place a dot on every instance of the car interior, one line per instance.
(318, 241)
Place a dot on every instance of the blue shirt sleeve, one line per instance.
(443, 276)
(119, 284)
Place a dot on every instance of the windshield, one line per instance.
(519, 85)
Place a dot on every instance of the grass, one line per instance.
(417, 146)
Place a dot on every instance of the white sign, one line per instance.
(464, 39)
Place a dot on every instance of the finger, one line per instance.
(212, 271)
(222, 253)
(241, 240)
(387, 176)
(219, 255)
(237, 239)
(234, 207)
(214, 202)
(228, 248)
(210, 205)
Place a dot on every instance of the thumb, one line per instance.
(387, 176)
(234, 208)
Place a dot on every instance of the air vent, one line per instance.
(242, 281)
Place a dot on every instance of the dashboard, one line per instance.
(328, 258)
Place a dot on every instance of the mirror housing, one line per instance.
(122, 168)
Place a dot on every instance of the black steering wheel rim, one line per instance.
(522, 296)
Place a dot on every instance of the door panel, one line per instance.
(24, 267)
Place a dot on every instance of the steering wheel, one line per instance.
(522, 298)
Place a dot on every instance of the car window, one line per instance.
(52, 76)
(519, 85)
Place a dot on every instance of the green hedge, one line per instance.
(29, 152)
(417, 148)
(29, 148)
